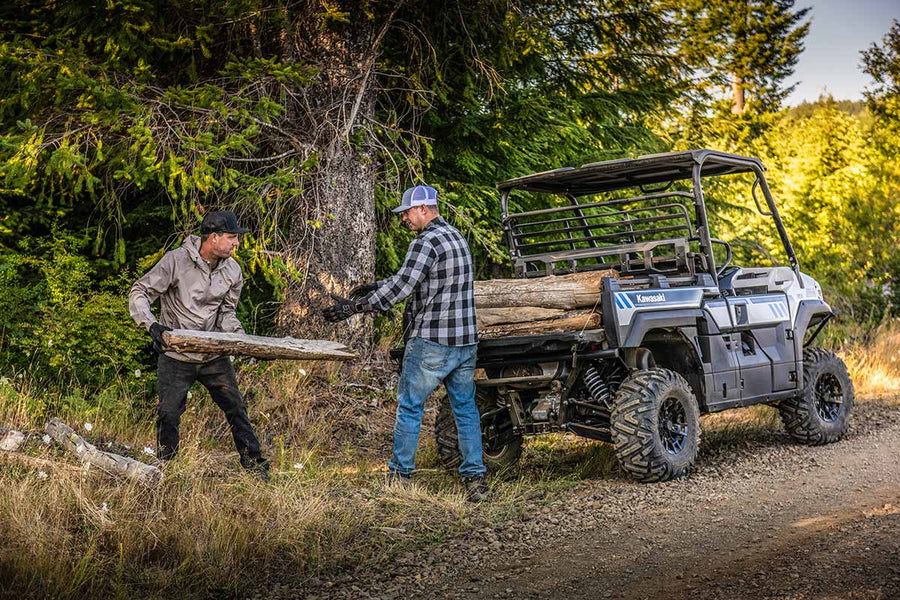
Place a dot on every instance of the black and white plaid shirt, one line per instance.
(438, 272)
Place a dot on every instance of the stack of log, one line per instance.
(505, 307)
(540, 305)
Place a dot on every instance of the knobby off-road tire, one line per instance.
(820, 413)
(447, 440)
(655, 425)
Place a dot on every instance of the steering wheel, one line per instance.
(727, 262)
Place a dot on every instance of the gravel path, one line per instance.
(762, 518)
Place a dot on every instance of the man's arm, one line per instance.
(395, 289)
(227, 320)
(148, 288)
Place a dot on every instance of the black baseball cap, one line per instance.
(221, 221)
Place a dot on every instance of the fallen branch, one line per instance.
(241, 344)
(107, 461)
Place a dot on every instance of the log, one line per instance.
(572, 321)
(11, 440)
(565, 292)
(240, 344)
(107, 461)
(487, 317)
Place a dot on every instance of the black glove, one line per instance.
(341, 309)
(156, 331)
(361, 291)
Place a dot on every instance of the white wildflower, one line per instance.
(302, 372)
(189, 395)
(105, 507)
(149, 451)
(298, 466)
(45, 439)
(88, 427)
(137, 373)
(49, 343)
(42, 475)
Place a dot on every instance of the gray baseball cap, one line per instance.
(417, 196)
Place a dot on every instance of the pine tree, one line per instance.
(747, 46)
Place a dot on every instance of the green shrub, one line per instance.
(60, 328)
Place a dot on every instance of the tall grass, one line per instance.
(874, 364)
(210, 530)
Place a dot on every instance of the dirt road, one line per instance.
(761, 518)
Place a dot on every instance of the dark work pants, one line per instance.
(175, 378)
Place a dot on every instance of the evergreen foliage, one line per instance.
(120, 122)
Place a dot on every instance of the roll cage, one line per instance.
(649, 235)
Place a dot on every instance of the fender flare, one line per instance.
(663, 319)
(806, 311)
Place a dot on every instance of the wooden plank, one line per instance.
(107, 461)
(239, 344)
(565, 292)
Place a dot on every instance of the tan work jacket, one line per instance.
(192, 295)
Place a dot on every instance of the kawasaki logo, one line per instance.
(651, 298)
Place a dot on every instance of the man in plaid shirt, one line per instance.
(440, 333)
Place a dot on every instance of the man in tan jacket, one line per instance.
(198, 286)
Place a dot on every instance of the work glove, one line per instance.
(156, 331)
(361, 291)
(343, 308)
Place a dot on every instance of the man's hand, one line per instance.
(156, 331)
(342, 308)
(361, 291)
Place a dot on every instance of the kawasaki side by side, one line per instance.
(682, 335)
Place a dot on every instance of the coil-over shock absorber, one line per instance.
(602, 381)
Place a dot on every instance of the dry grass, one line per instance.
(211, 530)
(875, 365)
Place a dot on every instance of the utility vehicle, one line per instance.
(684, 332)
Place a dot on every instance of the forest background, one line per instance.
(121, 123)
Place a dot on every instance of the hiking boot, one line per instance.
(476, 488)
(258, 467)
(396, 478)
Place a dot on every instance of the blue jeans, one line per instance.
(425, 365)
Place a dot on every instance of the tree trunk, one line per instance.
(737, 93)
(331, 240)
(332, 243)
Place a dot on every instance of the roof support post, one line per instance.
(702, 222)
